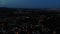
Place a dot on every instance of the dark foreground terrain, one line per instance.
(24, 21)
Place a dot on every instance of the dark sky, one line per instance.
(30, 3)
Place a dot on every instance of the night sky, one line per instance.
(30, 3)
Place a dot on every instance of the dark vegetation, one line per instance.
(28, 21)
